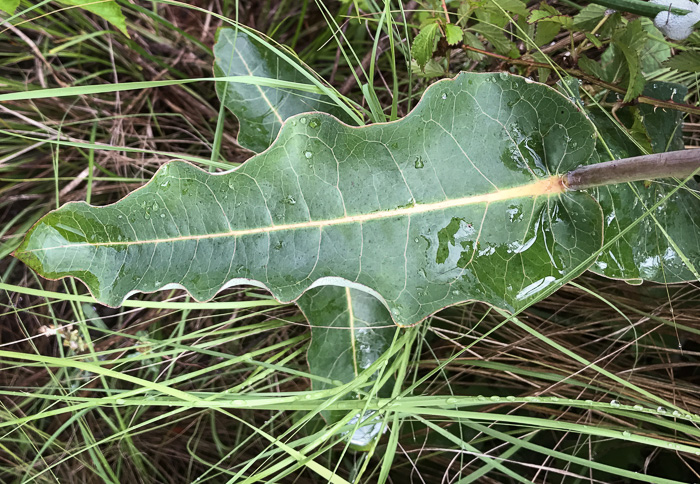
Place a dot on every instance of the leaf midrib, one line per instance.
(548, 186)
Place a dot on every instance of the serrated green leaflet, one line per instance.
(261, 110)
(457, 201)
(108, 10)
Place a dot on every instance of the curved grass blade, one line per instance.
(460, 200)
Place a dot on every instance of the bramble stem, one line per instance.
(680, 164)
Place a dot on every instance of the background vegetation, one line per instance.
(596, 383)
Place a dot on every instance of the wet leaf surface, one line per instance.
(457, 201)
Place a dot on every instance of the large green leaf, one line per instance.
(261, 110)
(653, 249)
(459, 200)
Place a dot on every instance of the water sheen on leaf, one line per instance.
(327, 204)
(645, 252)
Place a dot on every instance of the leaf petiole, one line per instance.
(680, 164)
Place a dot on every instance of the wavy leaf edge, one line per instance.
(553, 181)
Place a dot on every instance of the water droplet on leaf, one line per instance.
(314, 123)
(515, 213)
(308, 154)
(614, 403)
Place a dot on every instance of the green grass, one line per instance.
(598, 382)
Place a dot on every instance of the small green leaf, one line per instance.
(688, 61)
(655, 50)
(516, 7)
(546, 32)
(594, 40)
(261, 110)
(497, 38)
(9, 6)
(539, 14)
(424, 44)
(630, 41)
(590, 16)
(453, 34)
(111, 11)
(550, 14)
(473, 41)
(431, 70)
(350, 330)
(591, 67)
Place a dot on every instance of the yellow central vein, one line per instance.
(548, 186)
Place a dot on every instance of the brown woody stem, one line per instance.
(680, 164)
